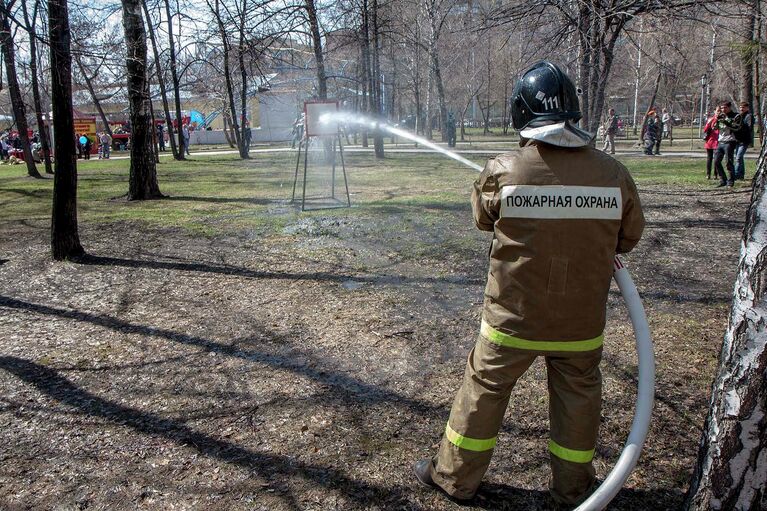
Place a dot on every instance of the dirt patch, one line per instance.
(309, 368)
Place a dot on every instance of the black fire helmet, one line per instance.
(543, 95)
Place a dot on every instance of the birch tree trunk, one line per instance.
(731, 471)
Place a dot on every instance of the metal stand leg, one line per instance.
(295, 176)
(343, 168)
(333, 173)
(306, 162)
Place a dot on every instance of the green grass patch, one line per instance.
(689, 172)
(207, 195)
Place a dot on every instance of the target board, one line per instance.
(317, 125)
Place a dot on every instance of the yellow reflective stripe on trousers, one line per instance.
(570, 454)
(510, 341)
(470, 444)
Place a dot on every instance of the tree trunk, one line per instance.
(143, 169)
(65, 241)
(428, 113)
(94, 97)
(161, 83)
(30, 24)
(418, 126)
(365, 78)
(378, 139)
(19, 111)
(176, 85)
(322, 83)
(598, 102)
(731, 471)
(434, 34)
(153, 131)
(584, 65)
(748, 51)
(638, 75)
(244, 146)
(651, 104)
(440, 93)
(710, 73)
(757, 79)
(486, 129)
(227, 129)
(228, 75)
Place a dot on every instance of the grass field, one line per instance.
(217, 192)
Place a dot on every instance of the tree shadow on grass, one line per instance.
(688, 223)
(620, 372)
(258, 274)
(349, 391)
(273, 467)
(35, 194)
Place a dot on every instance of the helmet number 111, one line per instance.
(550, 103)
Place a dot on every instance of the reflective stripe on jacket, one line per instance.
(558, 215)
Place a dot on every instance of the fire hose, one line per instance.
(645, 395)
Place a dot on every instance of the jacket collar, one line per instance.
(561, 134)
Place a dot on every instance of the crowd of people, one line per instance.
(9, 141)
(11, 147)
(727, 136)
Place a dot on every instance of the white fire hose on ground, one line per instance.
(645, 395)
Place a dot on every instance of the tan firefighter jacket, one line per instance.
(559, 216)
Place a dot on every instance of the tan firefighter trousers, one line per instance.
(575, 391)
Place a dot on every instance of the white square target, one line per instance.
(317, 121)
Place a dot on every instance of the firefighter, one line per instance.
(559, 210)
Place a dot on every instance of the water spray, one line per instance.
(646, 387)
(373, 125)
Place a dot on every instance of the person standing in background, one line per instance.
(185, 135)
(711, 138)
(744, 139)
(651, 132)
(161, 137)
(728, 123)
(668, 125)
(87, 147)
(610, 129)
(658, 132)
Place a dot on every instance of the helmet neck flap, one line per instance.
(560, 134)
